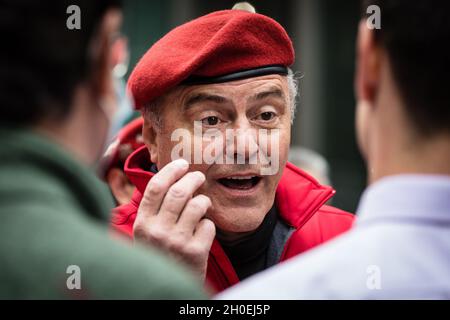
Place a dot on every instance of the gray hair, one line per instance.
(293, 84)
(153, 110)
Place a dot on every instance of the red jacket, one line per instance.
(300, 202)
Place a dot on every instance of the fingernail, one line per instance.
(200, 175)
(181, 163)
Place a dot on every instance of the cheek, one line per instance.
(165, 146)
(279, 150)
(285, 142)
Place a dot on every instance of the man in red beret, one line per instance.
(218, 92)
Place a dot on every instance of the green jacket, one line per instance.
(54, 237)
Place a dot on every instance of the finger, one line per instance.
(205, 233)
(178, 196)
(193, 212)
(158, 186)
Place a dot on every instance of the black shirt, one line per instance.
(248, 255)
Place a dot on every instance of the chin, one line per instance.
(238, 220)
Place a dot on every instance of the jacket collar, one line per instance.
(298, 196)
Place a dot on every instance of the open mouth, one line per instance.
(240, 183)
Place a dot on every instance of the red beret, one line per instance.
(221, 46)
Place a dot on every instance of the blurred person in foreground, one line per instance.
(399, 248)
(223, 82)
(57, 103)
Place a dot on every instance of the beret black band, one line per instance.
(240, 75)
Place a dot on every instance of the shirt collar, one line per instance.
(410, 198)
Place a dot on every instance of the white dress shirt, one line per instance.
(398, 249)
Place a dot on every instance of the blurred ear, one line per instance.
(101, 52)
(120, 186)
(367, 65)
(367, 79)
(150, 135)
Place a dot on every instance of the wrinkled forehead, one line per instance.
(234, 91)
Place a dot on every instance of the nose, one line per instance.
(245, 142)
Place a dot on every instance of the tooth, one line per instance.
(241, 178)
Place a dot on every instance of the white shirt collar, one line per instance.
(411, 198)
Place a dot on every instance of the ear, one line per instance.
(103, 53)
(121, 188)
(150, 135)
(367, 65)
(367, 79)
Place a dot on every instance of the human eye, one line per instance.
(266, 116)
(211, 121)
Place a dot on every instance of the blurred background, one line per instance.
(323, 32)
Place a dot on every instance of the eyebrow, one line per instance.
(204, 97)
(277, 93)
